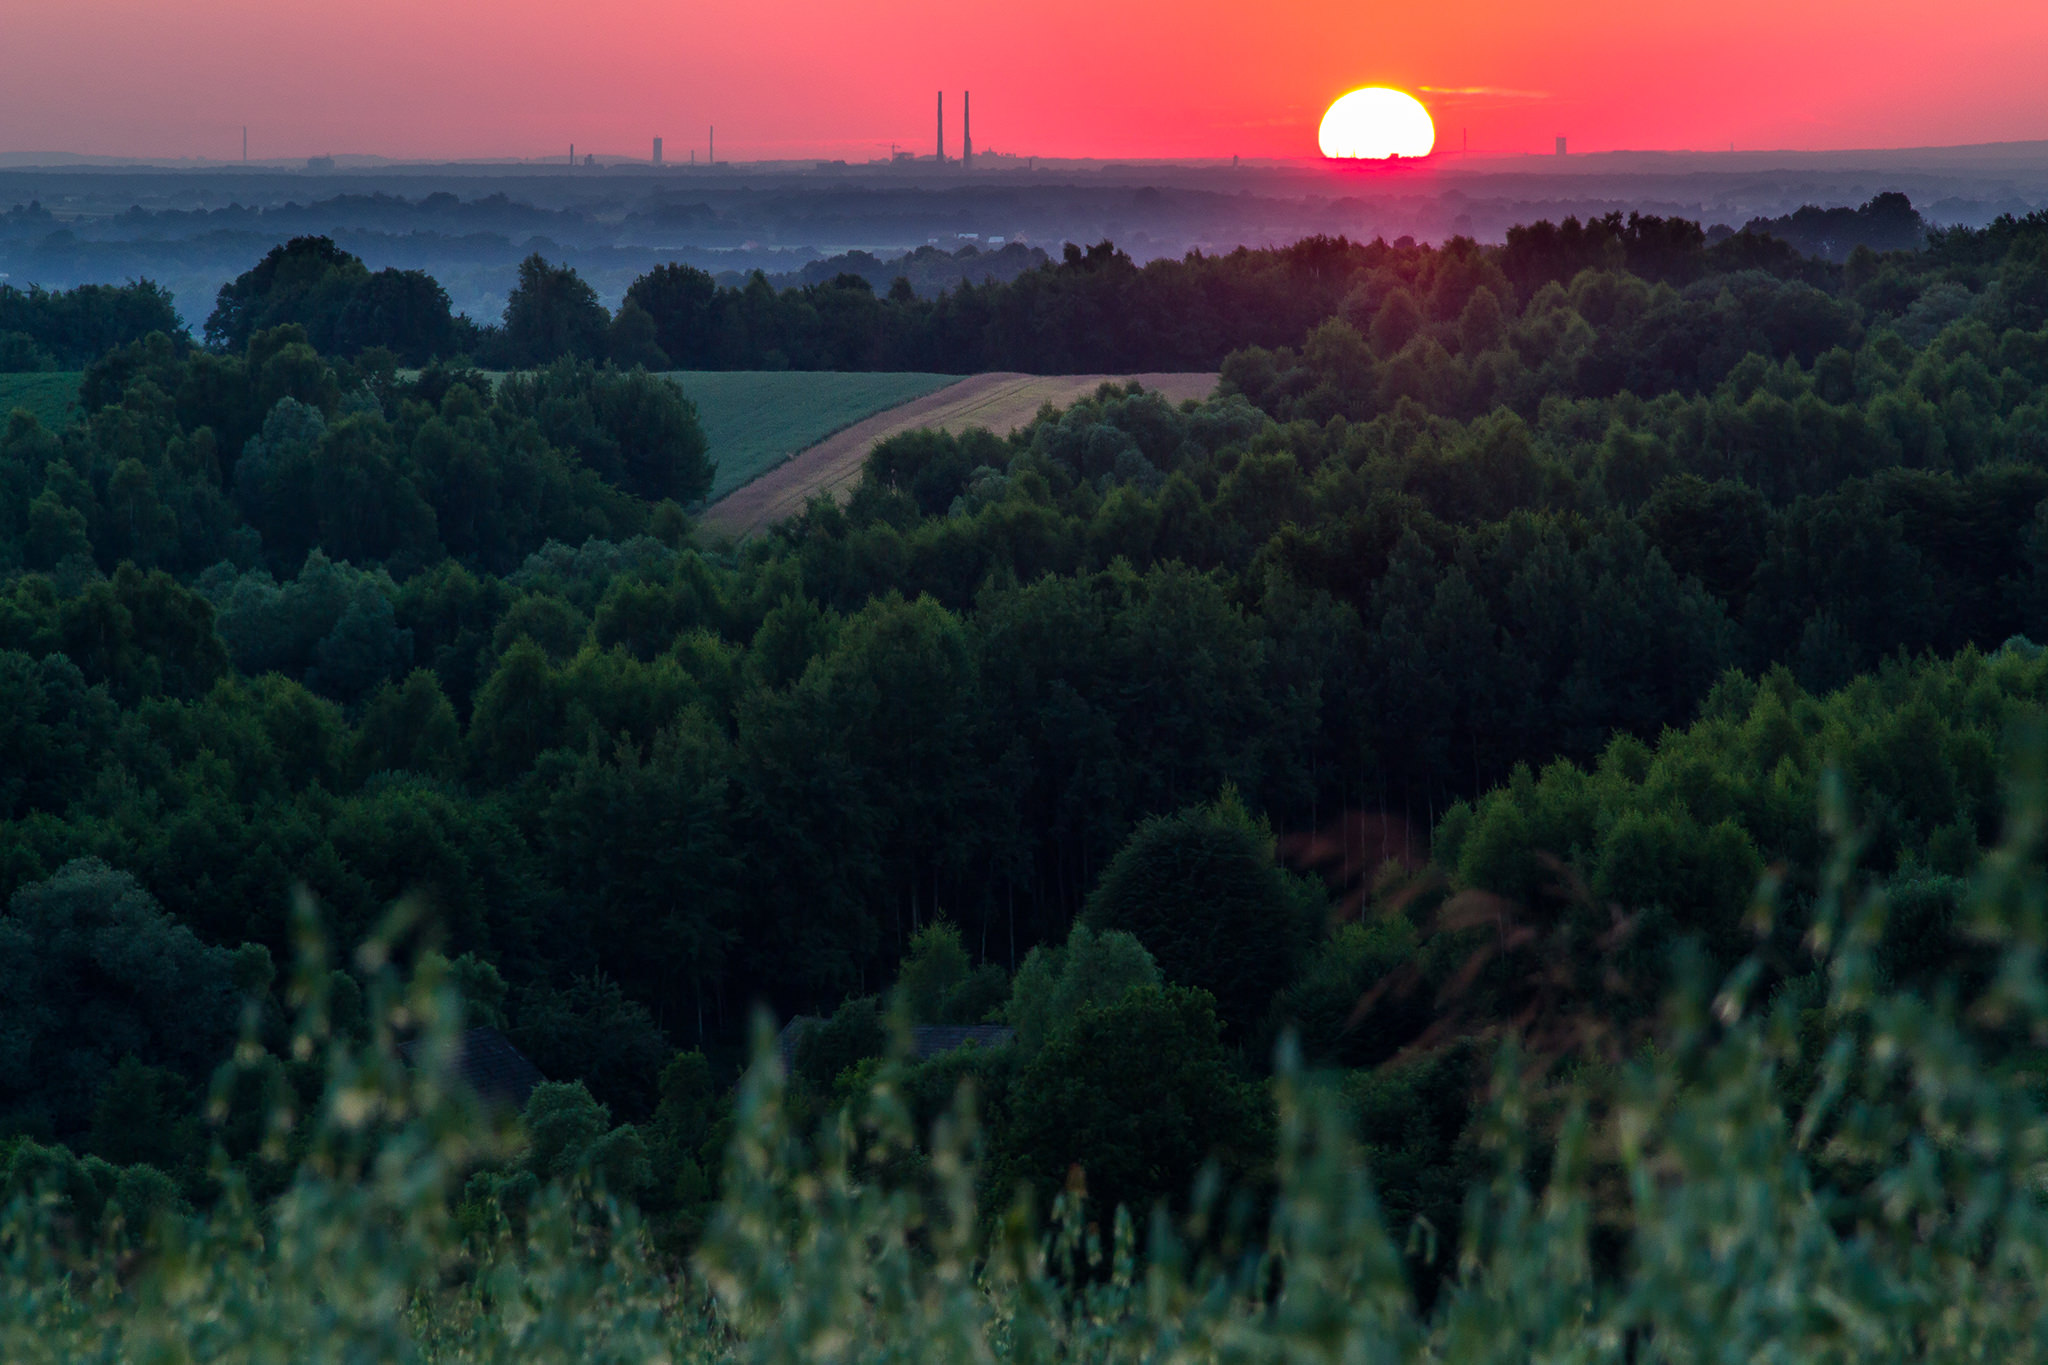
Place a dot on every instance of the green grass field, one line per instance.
(755, 420)
(51, 397)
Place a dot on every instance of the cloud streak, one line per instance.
(1492, 91)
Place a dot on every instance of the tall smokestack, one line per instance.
(966, 130)
(657, 151)
(942, 126)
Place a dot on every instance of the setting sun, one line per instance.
(1376, 123)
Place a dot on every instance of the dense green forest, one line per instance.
(1435, 697)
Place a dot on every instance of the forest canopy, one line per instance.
(1439, 692)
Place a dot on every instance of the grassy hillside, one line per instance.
(756, 420)
(48, 396)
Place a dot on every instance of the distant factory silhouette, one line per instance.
(897, 155)
(966, 129)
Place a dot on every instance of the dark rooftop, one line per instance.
(937, 1038)
(497, 1071)
(926, 1040)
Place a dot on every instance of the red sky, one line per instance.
(800, 78)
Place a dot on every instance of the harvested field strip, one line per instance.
(1000, 402)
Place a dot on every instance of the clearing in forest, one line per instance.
(1000, 402)
(754, 420)
(51, 395)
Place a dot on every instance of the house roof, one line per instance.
(488, 1064)
(792, 1033)
(932, 1040)
(926, 1040)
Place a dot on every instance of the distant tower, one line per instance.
(942, 126)
(657, 151)
(245, 143)
(711, 147)
(966, 130)
(1560, 146)
(572, 156)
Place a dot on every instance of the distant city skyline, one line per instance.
(1196, 78)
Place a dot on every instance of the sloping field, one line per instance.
(755, 420)
(1000, 402)
(51, 397)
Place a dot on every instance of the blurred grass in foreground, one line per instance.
(1835, 1173)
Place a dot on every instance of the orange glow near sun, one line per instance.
(1376, 123)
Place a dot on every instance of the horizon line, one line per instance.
(24, 160)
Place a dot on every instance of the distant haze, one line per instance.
(1140, 78)
(193, 229)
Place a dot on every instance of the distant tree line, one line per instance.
(1095, 310)
(931, 270)
(1092, 310)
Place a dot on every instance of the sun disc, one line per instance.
(1376, 123)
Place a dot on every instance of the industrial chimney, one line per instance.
(942, 126)
(966, 130)
(657, 151)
